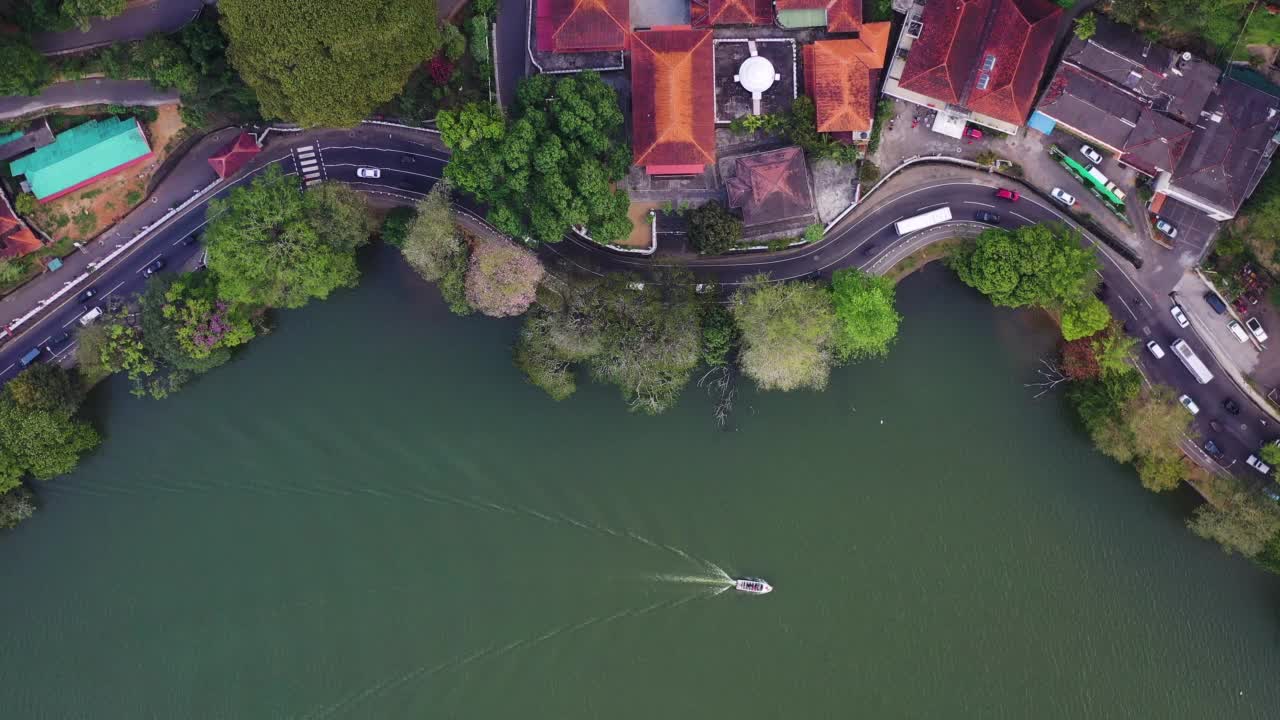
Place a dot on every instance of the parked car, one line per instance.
(1238, 330)
(1215, 302)
(973, 132)
(88, 295)
(1255, 327)
(1231, 406)
(156, 266)
(1094, 156)
(1189, 404)
(87, 319)
(989, 218)
(1154, 348)
(1213, 450)
(1178, 315)
(1166, 228)
(57, 342)
(1272, 491)
(29, 357)
(1007, 194)
(368, 172)
(1063, 196)
(1253, 462)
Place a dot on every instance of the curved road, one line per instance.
(409, 169)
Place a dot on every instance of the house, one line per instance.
(227, 161)
(36, 135)
(83, 155)
(978, 61)
(705, 13)
(836, 15)
(843, 78)
(16, 239)
(772, 189)
(1227, 154)
(570, 26)
(672, 101)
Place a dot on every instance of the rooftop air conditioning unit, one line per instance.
(914, 28)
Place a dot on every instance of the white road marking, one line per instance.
(77, 317)
(65, 350)
(304, 149)
(144, 267)
(1020, 215)
(971, 202)
(402, 152)
(7, 369)
(384, 169)
(117, 287)
(930, 207)
(389, 187)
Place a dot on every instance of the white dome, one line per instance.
(756, 74)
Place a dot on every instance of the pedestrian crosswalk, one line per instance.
(309, 166)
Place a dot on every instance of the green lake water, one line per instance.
(370, 515)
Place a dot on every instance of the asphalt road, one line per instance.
(78, 93)
(408, 170)
(162, 16)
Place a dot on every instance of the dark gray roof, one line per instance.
(1091, 106)
(1156, 143)
(35, 135)
(1187, 86)
(1227, 157)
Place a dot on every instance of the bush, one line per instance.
(395, 228)
(26, 204)
(453, 42)
(713, 230)
(987, 157)
(813, 233)
(478, 29)
(869, 173)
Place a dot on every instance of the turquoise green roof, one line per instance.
(82, 153)
(802, 18)
(5, 139)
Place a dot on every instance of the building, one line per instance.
(573, 26)
(1228, 153)
(976, 61)
(36, 135)
(705, 13)
(835, 15)
(772, 189)
(16, 239)
(83, 155)
(672, 101)
(843, 78)
(227, 161)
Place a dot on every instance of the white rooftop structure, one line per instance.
(757, 75)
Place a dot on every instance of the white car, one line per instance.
(1094, 156)
(369, 173)
(1253, 462)
(1189, 404)
(1063, 196)
(1164, 227)
(1255, 327)
(1179, 316)
(1154, 348)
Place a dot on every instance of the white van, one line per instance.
(1155, 349)
(1238, 331)
(87, 319)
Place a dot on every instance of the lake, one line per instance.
(369, 514)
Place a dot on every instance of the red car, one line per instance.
(974, 133)
(1010, 195)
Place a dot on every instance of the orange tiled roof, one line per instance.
(589, 25)
(672, 98)
(841, 76)
(735, 12)
(842, 15)
(771, 186)
(16, 239)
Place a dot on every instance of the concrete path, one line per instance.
(163, 16)
(96, 91)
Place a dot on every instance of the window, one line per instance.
(983, 81)
(988, 62)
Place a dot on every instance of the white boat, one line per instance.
(752, 586)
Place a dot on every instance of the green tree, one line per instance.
(719, 335)
(713, 229)
(272, 245)
(1241, 523)
(40, 434)
(1086, 26)
(395, 227)
(81, 12)
(1270, 454)
(46, 386)
(26, 71)
(436, 249)
(452, 42)
(1084, 316)
(328, 62)
(1032, 265)
(866, 321)
(552, 165)
(11, 271)
(787, 332)
(167, 64)
(199, 321)
(15, 506)
(502, 277)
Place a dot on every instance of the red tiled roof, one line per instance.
(16, 239)
(233, 157)
(946, 62)
(731, 12)
(672, 99)
(842, 15)
(583, 25)
(842, 75)
(771, 186)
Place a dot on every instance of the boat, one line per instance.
(752, 586)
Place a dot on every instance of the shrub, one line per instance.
(712, 229)
(26, 204)
(478, 29)
(813, 233)
(869, 172)
(440, 69)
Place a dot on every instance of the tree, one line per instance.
(866, 321)
(1031, 265)
(1079, 361)
(15, 506)
(167, 64)
(395, 227)
(502, 277)
(1083, 317)
(436, 250)
(273, 245)
(328, 62)
(26, 71)
(11, 271)
(453, 44)
(1086, 26)
(787, 331)
(39, 433)
(552, 165)
(719, 335)
(712, 229)
(1241, 523)
(200, 321)
(46, 386)
(82, 11)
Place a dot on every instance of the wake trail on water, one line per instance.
(494, 651)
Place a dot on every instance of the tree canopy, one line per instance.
(81, 12)
(435, 248)
(274, 245)
(787, 333)
(26, 71)
(550, 165)
(502, 277)
(1031, 265)
(713, 229)
(866, 321)
(328, 62)
(40, 434)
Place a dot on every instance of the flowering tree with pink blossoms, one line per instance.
(502, 277)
